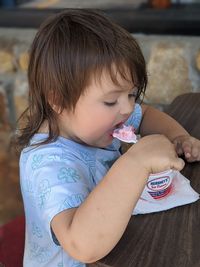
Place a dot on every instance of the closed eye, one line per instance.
(110, 104)
(133, 95)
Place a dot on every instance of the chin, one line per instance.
(102, 143)
(105, 144)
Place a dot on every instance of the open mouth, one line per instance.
(117, 126)
(125, 134)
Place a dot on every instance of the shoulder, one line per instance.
(52, 172)
(53, 158)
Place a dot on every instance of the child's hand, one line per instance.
(156, 153)
(188, 146)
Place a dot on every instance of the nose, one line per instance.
(127, 107)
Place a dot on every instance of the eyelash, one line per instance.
(114, 103)
(110, 104)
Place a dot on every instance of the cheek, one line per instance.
(96, 124)
(95, 120)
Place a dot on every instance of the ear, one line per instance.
(56, 108)
(52, 102)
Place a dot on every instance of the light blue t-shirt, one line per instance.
(55, 177)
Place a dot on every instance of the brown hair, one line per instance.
(68, 48)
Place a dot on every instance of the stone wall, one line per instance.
(173, 64)
(173, 68)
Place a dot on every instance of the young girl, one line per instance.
(85, 75)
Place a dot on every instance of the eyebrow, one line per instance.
(121, 90)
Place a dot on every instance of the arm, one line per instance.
(90, 231)
(155, 121)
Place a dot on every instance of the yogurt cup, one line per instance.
(158, 185)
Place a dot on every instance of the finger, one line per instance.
(178, 164)
(178, 148)
(195, 155)
(191, 159)
(187, 149)
(195, 152)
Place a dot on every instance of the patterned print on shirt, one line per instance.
(90, 163)
(36, 162)
(44, 192)
(72, 201)
(36, 230)
(68, 175)
(39, 254)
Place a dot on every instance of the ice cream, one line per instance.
(125, 134)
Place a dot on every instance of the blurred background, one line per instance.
(169, 35)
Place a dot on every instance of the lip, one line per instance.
(117, 125)
(120, 124)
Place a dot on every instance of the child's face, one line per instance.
(103, 107)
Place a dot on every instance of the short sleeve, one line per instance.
(57, 183)
(136, 117)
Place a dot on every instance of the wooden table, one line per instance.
(170, 238)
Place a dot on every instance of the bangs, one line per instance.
(136, 75)
(85, 50)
